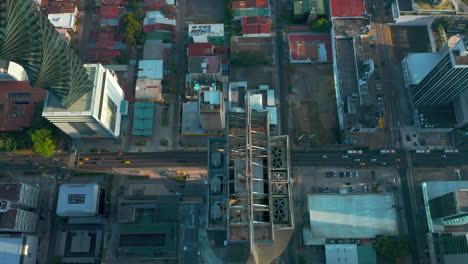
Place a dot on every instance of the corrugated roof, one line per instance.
(347, 8)
(143, 119)
(256, 20)
(150, 69)
(110, 11)
(200, 49)
(256, 29)
(238, 4)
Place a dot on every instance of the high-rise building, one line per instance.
(96, 114)
(437, 78)
(451, 208)
(29, 39)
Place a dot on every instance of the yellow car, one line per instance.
(80, 163)
(127, 162)
(397, 160)
(86, 158)
(362, 164)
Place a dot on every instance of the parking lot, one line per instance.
(347, 181)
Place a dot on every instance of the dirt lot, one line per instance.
(205, 11)
(253, 75)
(313, 102)
(260, 45)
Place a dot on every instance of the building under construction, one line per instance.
(249, 179)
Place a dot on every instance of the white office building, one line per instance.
(96, 114)
(80, 200)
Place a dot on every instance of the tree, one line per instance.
(393, 247)
(132, 29)
(322, 25)
(43, 144)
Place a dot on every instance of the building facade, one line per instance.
(96, 114)
(17, 200)
(446, 80)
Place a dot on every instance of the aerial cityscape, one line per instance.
(234, 131)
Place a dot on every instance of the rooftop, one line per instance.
(150, 69)
(436, 189)
(310, 47)
(143, 119)
(10, 250)
(10, 191)
(157, 17)
(256, 29)
(206, 30)
(191, 123)
(63, 20)
(335, 254)
(419, 65)
(78, 200)
(15, 116)
(111, 11)
(200, 49)
(347, 8)
(352, 215)
(209, 64)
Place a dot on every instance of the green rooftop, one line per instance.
(366, 255)
(158, 36)
(143, 119)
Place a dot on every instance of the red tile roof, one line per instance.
(158, 27)
(10, 191)
(305, 46)
(102, 55)
(111, 11)
(15, 117)
(256, 20)
(256, 3)
(347, 8)
(200, 49)
(59, 9)
(106, 43)
(256, 29)
(238, 5)
(112, 1)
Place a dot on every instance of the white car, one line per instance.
(324, 156)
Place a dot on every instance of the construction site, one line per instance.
(249, 178)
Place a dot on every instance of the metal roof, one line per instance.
(150, 69)
(63, 20)
(10, 250)
(352, 215)
(341, 253)
(143, 119)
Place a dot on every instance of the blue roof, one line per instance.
(10, 250)
(150, 69)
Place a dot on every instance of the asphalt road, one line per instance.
(107, 161)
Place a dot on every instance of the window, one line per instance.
(76, 198)
(19, 95)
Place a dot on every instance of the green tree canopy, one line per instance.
(322, 25)
(393, 247)
(132, 29)
(43, 144)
